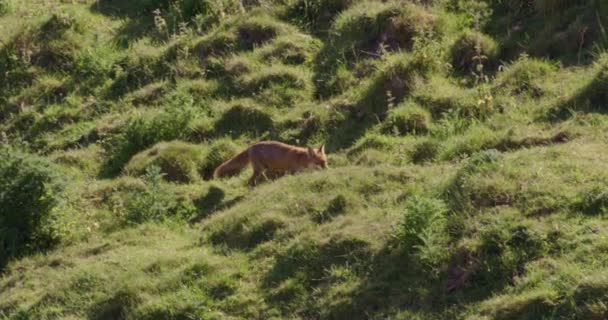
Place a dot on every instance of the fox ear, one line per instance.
(322, 149)
(311, 151)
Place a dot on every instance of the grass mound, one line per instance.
(220, 151)
(178, 161)
(525, 76)
(316, 15)
(290, 49)
(368, 29)
(391, 85)
(244, 118)
(408, 118)
(240, 35)
(473, 49)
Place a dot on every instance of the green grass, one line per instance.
(455, 190)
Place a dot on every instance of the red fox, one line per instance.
(275, 158)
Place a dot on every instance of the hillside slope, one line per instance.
(467, 145)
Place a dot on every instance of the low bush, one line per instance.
(156, 202)
(422, 216)
(30, 191)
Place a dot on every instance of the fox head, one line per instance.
(318, 157)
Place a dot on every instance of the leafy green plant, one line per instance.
(422, 221)
(30, 191)
(156, 202)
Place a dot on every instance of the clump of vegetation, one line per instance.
(278, 85)
(424, 217)
(31, 192)
(473, 49)
(155, 201)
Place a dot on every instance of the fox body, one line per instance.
(273, 158)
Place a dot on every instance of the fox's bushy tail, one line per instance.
(233, 166)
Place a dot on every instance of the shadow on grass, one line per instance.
(388, 282)
(140, 20)
(589, 99)
(213, 201)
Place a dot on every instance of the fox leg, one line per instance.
(258, 171)
(253, 181)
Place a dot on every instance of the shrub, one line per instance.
(421, 213)
(178, 161)
(594, 95)
(379, 142)
(590, 97)
(472, 49)
(594, 202)
(408, 118)
(335, 207)
(477, 138)
(30, 190)
(149, 94)
(156, 202)
(202, 13)
(51, 46)
(551, 5)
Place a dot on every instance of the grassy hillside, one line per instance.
(467, 142)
